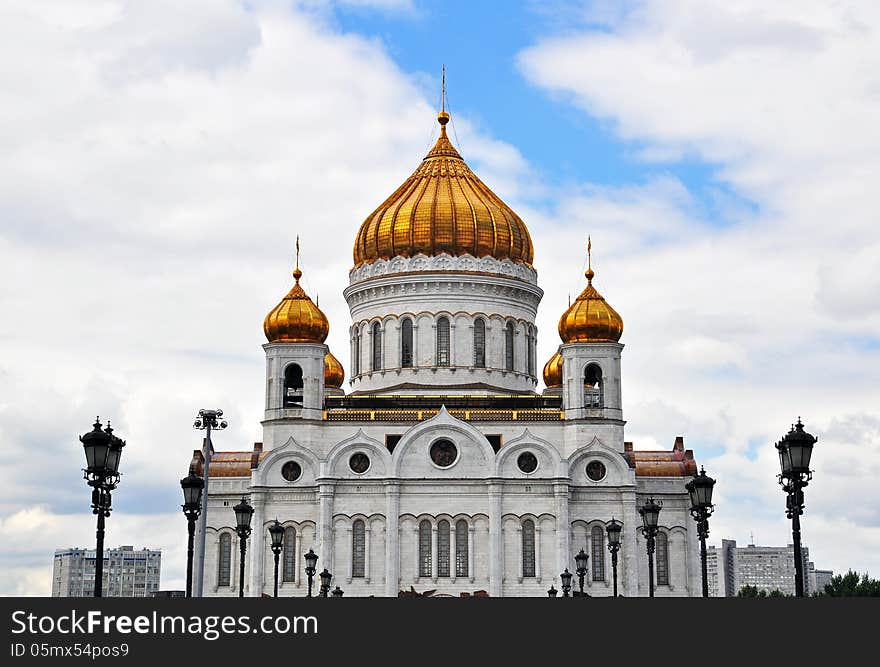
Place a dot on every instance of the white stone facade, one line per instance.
(479, 522)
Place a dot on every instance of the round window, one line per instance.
(291, 471)
(444, 453)
(596, 471)
(359, 463)
(527, 462)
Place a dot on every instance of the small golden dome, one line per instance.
(296, 319)
(443, 208)
(334, 374)
(553, 371)
(590, 319)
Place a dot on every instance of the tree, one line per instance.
(754, 592)
(852, 584)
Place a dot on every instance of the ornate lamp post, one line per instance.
(208, 420)
(243, 514)
(276, 532)
(566, 583)
(650, 512)
(103, 451)
(795, 450)
(581, 561)
(552, 592)
(700, 490)
(311, 568)
(325, 583)
(337, 592)
(613, 530)
(192, 486)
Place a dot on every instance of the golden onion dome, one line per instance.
(334, 374)
(553, 371)
(443, 208)
(590, 319)
(296, 319)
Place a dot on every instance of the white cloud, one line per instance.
(732, 329)
(154, 180)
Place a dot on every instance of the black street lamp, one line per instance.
(795, 450)
(311, 568)
(581, 561)
(566, 583)
(276, 532)
(325, 583)
(103, 451)
(243, 514)
(650, 512)
(700, 490)
(337, 592)
(613, 530)
(552, 592)
(192, 486)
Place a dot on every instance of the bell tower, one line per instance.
(296, 330)
(590, 355)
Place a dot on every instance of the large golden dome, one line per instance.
(334, 374)
(553, 371)
(443, 207)
(590, 319)
(296, 319)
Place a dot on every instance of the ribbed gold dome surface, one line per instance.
(334, 374)
(296, 319)
(443, 207)
(590, 319)
(553, 371)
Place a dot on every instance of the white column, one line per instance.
(538, 552)
(367, 540)
(435, 553)
(471, 534)
(392, 540)
(325, 525)
(453, 553)
(631, 558)
(350, 560)
(522, 560)
(417, 553)
(298, 558)
(563, 527)
(257, 546)
(496, 543)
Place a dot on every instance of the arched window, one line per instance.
(443, 341)
(289, 565)
(443, 548)
(425, 548)
(597, 536)
(224, 561)
(662, 546)
(358, 548)
(461, 549)
(593, 396)
(508, 346)
(293, 386)
(480, 343)
(528, 548)
(530, 347)
(356, 362)
(406, 343)
(377, 347)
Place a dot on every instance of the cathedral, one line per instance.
(444, 467)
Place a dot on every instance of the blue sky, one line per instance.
(479, 43)
(722, 156)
